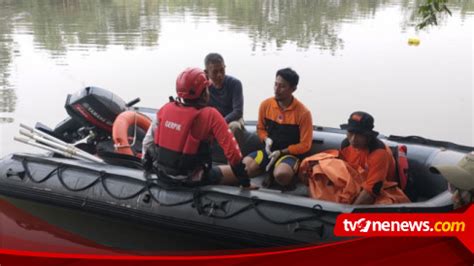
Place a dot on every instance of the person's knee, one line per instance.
(283, 174)
(227, 175)
(251, 166)
(283, 179)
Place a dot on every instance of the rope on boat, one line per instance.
(102, 177)
(28, 173)
(202, 209)
(316, 209)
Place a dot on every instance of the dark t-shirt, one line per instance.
(228, 100)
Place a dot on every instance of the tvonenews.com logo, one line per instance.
(364, 225)
(460, 225)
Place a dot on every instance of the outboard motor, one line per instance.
(95, 106)
(92, 112)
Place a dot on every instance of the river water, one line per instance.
(351, 55)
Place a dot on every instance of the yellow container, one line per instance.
(413, 41)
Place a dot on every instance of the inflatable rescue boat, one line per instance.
(90, 168)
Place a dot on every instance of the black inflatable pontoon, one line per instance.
(264, 217)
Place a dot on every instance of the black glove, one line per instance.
(241, 174)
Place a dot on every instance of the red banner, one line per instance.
(460, 225)
(397, 241)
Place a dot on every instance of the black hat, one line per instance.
(360, 122)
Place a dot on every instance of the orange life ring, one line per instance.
(120, 130)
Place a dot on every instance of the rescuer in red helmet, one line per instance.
(177, 145)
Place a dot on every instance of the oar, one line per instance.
(56, 144)
(44, 135)
(33, 143)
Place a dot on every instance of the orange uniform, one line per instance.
(376, 164)
(291, 128)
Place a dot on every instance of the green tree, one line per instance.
(430, 12)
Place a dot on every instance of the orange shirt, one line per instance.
(290, 128)
(376, 164)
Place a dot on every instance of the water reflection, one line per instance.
(58, 26)
(22, 231)
(6, 45)
(84, 36)
(61, 25)
(305, 23)
(7, 94)
(7, 100)
(7, 104)
(60, 229)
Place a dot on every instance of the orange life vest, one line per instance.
(402, 166)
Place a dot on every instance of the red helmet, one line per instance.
(191, 83)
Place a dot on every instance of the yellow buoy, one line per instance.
(413, 41)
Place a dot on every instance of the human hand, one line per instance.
(268, 145)
(273, 157)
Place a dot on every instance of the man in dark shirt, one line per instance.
(225, 94)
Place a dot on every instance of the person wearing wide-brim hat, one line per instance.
(460, 178)
(361, 123)
(370, 157)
